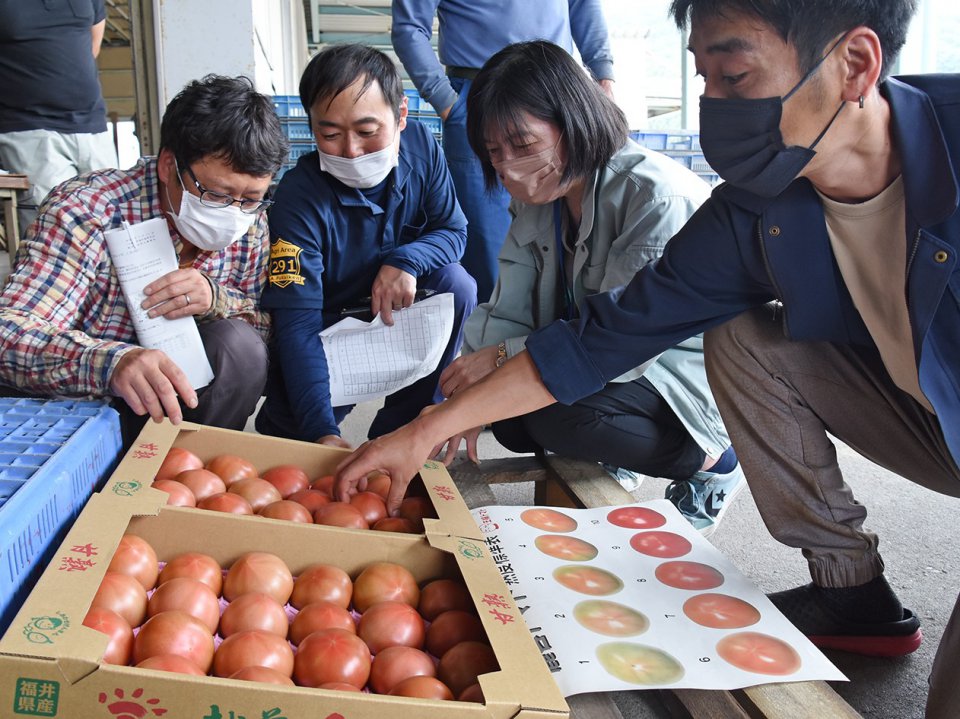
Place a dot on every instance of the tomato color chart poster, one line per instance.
(632, 597)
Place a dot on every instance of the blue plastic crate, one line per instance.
(432, 121)
(297, 129)
(288, 106)
(415, 103)
(650, 140)
(667, 140)
(53, 455)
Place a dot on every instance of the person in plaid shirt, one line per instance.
(65, 329)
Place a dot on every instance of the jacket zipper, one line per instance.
(766, 262)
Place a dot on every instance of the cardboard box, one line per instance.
(49, 661)
(139, 466)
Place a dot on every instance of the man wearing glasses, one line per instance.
(65, 329)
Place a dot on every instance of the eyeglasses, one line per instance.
(218, 199)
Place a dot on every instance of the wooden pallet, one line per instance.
(570, 483)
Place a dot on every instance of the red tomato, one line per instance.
(254, 611)
(451, 628)
(231, 468)
(190, 596)
(371, 506)
(226, 502)
(396, 524)
(135, 556)
(759, 653)
(175, 633)
(332, 655)
(265, 675)
(311, 499)
(194, 565)
(179, 494)
(288, 511)
(569, 549)
(422, 688)
(462, 664)
(340, 514)
(719, 611)
(319, 616)
(176, 461)
(660, 544)
(253, 648)
(636, 518)
(379, 484)
(416, 508)
(201, 482)
(442, 595)
(391, 624)
(384, 582)
(588, 580)
(472, 693)
(394, 664)
(323, 484)
(259, 492)
(258, 572)
(322, 583)
(287, 478)
(171, 663)
(549, 520)
(124, 595)
(120, 644)
(689, 575)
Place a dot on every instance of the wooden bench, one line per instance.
(9, 186)
(563, 482)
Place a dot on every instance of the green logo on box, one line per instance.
(43, 630)
(36, 697)
(431, 465)
(127, 489)
(470, 550)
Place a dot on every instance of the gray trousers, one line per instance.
(778, 400)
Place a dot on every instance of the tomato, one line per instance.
(135, 556)
(253, 648)
(371, 506)
(379, 484)
(340, 514)
(287, 511)
(472, 693)
(664, 545)
(394, 664)
(569, 549)
(462, 664)
(175, 632)
(416, 509)
(323, 484)
(120, 645)
(588, 580)
(190, 596)
(124, 595)
(311, 499)
(194, 565)
(442, 595)
(259, 492)
(265, 675)
(549, 520)
(322, 583)
(201, 482)
(179, 495)
(231, 468)
(639, 664)
(391, 624)
(319, 616)
(719, 611)
(423, 688)
(384, 582)
(254, 611)
(226, 502)
(689, 575)
(610, 618)
(332, 655)
(451, 628)
(171, 663)
(759, 653)
(396, 524)
(176, 461)
(636, 518)
(287, 478)
(258, 572)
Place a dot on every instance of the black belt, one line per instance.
(464, 73)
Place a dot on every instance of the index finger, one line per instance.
(162, 282)
(181, 386)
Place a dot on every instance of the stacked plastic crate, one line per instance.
(682, 146)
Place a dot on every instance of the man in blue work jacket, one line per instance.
(827, 268)
(470, 33)
(369, 218)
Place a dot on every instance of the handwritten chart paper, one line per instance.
(633, 598)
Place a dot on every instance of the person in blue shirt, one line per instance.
(826, 271)
(369, 218)
(470, 33)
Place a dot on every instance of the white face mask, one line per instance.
(364, 171)
(208, 228)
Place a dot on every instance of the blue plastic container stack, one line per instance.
(684, 147)
(53, 455)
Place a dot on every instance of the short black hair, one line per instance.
(227, 118)
(810, 25)
(543, 80)
(337, 67)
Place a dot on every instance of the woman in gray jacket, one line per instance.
(590, 207)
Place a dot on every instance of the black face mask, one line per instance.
(741, 140)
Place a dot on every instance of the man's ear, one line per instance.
(402, 122)
(166, 165)
(863, 61)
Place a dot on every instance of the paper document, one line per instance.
(368, 360)
(142, 253)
